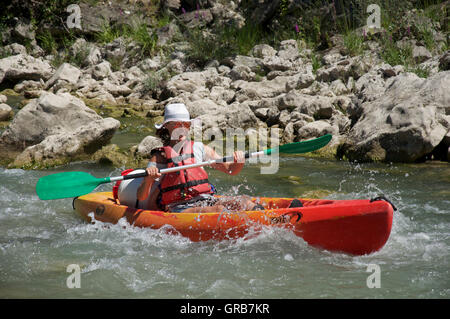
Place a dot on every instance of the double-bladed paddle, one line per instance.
(73, 184)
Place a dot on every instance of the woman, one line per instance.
(188, 190)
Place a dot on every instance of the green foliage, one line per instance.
(420, 71)
(107, 34)
(155, 79)
(58, 59)
(284, 4)
(354, 43)
(138, 32)
(426, 36)
(143, 37)
(116, 62)
(226, 41)
(394, 55)
(203, 48)
(47, 42)
(243, 39)
(79, 57)
(162, 21)
(51, 12)
(316, 62)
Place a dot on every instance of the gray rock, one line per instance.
(421, 54)
(88, 52)
(241, 72)
(197, 18)
(5, 112)
(148, 144)
(65, 72)
(338, 87)
(263, 51)
(370, 86)
(56, 149)
(332, 57)
(404, 123)
(263, 89)
(50, 114)
(262, 113)
(23, 32)
(316, 129)
(289, 50)
(192, 81)
(101, 70)
(29, 85)
(167, 33)
(255, 64)
(289, 133)
(55, 128)
(318, 107)
(444, 61)
(116, 90)
(352, 67)
(276, 63)
(150, 64)
(226, 13)
(13, 49)
(221, 95)
(171, 4)
(24, 67)
(212, 115)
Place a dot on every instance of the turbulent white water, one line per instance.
(39, 239)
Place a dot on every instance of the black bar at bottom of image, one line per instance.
(215, 308)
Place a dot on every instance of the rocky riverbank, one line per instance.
(75, 97)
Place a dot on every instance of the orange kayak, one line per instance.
(355, 227)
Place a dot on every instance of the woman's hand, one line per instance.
(239, 157)
(144, 189)
(153, 173)
(232, 168)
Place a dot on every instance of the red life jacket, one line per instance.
(185, 184)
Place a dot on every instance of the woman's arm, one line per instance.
(146, 185)
(229, 168)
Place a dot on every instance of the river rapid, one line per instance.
(40, 239)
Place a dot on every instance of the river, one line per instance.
(40, 239)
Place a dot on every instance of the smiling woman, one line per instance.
(188, 190)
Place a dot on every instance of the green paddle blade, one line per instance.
(302, 147)
(67, 184)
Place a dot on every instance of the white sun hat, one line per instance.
(176, 112)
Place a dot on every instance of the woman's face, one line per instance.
(178, 130)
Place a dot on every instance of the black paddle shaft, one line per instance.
(231, 158)
(137, 175)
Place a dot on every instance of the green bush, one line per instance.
(107, 34)
(225, 41)
(316, 62)
(143, 37)
(47, 42)
(394, 55)
(155, 79)
(354, 43)
(421, 72)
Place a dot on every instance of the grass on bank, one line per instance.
(138, 32)
(305, 25)
(223, 42)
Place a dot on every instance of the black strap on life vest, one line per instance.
(185, 185)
